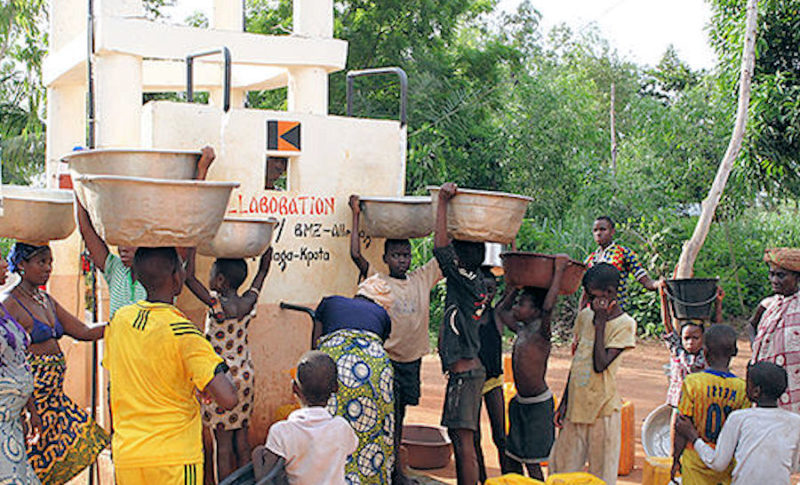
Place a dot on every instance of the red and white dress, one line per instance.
(778, 341)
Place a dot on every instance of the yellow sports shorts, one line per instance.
(161, 475)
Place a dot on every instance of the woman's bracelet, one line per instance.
(254, 290)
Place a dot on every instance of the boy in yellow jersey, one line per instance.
(157, 360)
(707, 398)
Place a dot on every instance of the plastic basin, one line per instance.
(132, 211)
(482, 216)
(692, 298)
(36, 215)
(396, 217)
(133, 162)
(534, 269)
(240, 238)
(428, 447)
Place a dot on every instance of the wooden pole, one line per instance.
(613, 132)
(692, 247)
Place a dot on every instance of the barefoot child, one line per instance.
(157, 361)
(409, 313)
(491, 355)
(314, 444)
(226, 329)
(765, 440)
(707, 398)
(530, 412)
(459, 342)
(589, 412)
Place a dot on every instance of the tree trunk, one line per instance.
(692, 247)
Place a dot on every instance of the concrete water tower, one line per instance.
(329, 157)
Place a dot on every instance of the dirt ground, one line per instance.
(641, 381)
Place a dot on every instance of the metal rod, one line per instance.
(226, 77)
(401, 74)
(299, 308)
(90, 143)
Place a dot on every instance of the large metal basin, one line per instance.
(482, 216)
(240, 238)
(132, 162)
(656, 432)
(534, 269)
(133, 211)
(36, 215)
(397, 217)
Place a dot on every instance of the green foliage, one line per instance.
(772, 148)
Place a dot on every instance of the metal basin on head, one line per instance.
(537, 270)
(134, 211)
(133, 162)
(483, 216)
(240, 238)
(36, 215)
(397, 217)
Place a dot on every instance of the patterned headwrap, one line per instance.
(376, 290)
(22, 252)
(786, 258)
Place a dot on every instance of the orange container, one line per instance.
(656, 470)
(627, 451)
(508, 371)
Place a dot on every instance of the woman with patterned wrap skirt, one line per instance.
(70, 440)
(352, 332)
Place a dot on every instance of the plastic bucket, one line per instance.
(692, 298)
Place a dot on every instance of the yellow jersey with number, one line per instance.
(156, 359)
(708, 397)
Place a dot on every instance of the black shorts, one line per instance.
(531, 431)
(406, 382)
(462, 401)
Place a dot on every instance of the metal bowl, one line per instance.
(537, 270)
(655, 432)
(36, 215)
(482, 216)
(428, 447)
(133, 211)
(397, 217)
(133, 162)
(240, 238)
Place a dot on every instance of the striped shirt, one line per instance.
(122, 290)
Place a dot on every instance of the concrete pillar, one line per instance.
(313, 18)
(308, 90)
(67, 21)
(118, 100)
(228, 15)
(308, 86)
(238, 96)
(119, 8)
(66, 125)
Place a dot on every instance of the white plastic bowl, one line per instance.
(240, 238)
(133, 211)
(36, 215)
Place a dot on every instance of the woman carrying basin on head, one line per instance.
(69, 440)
